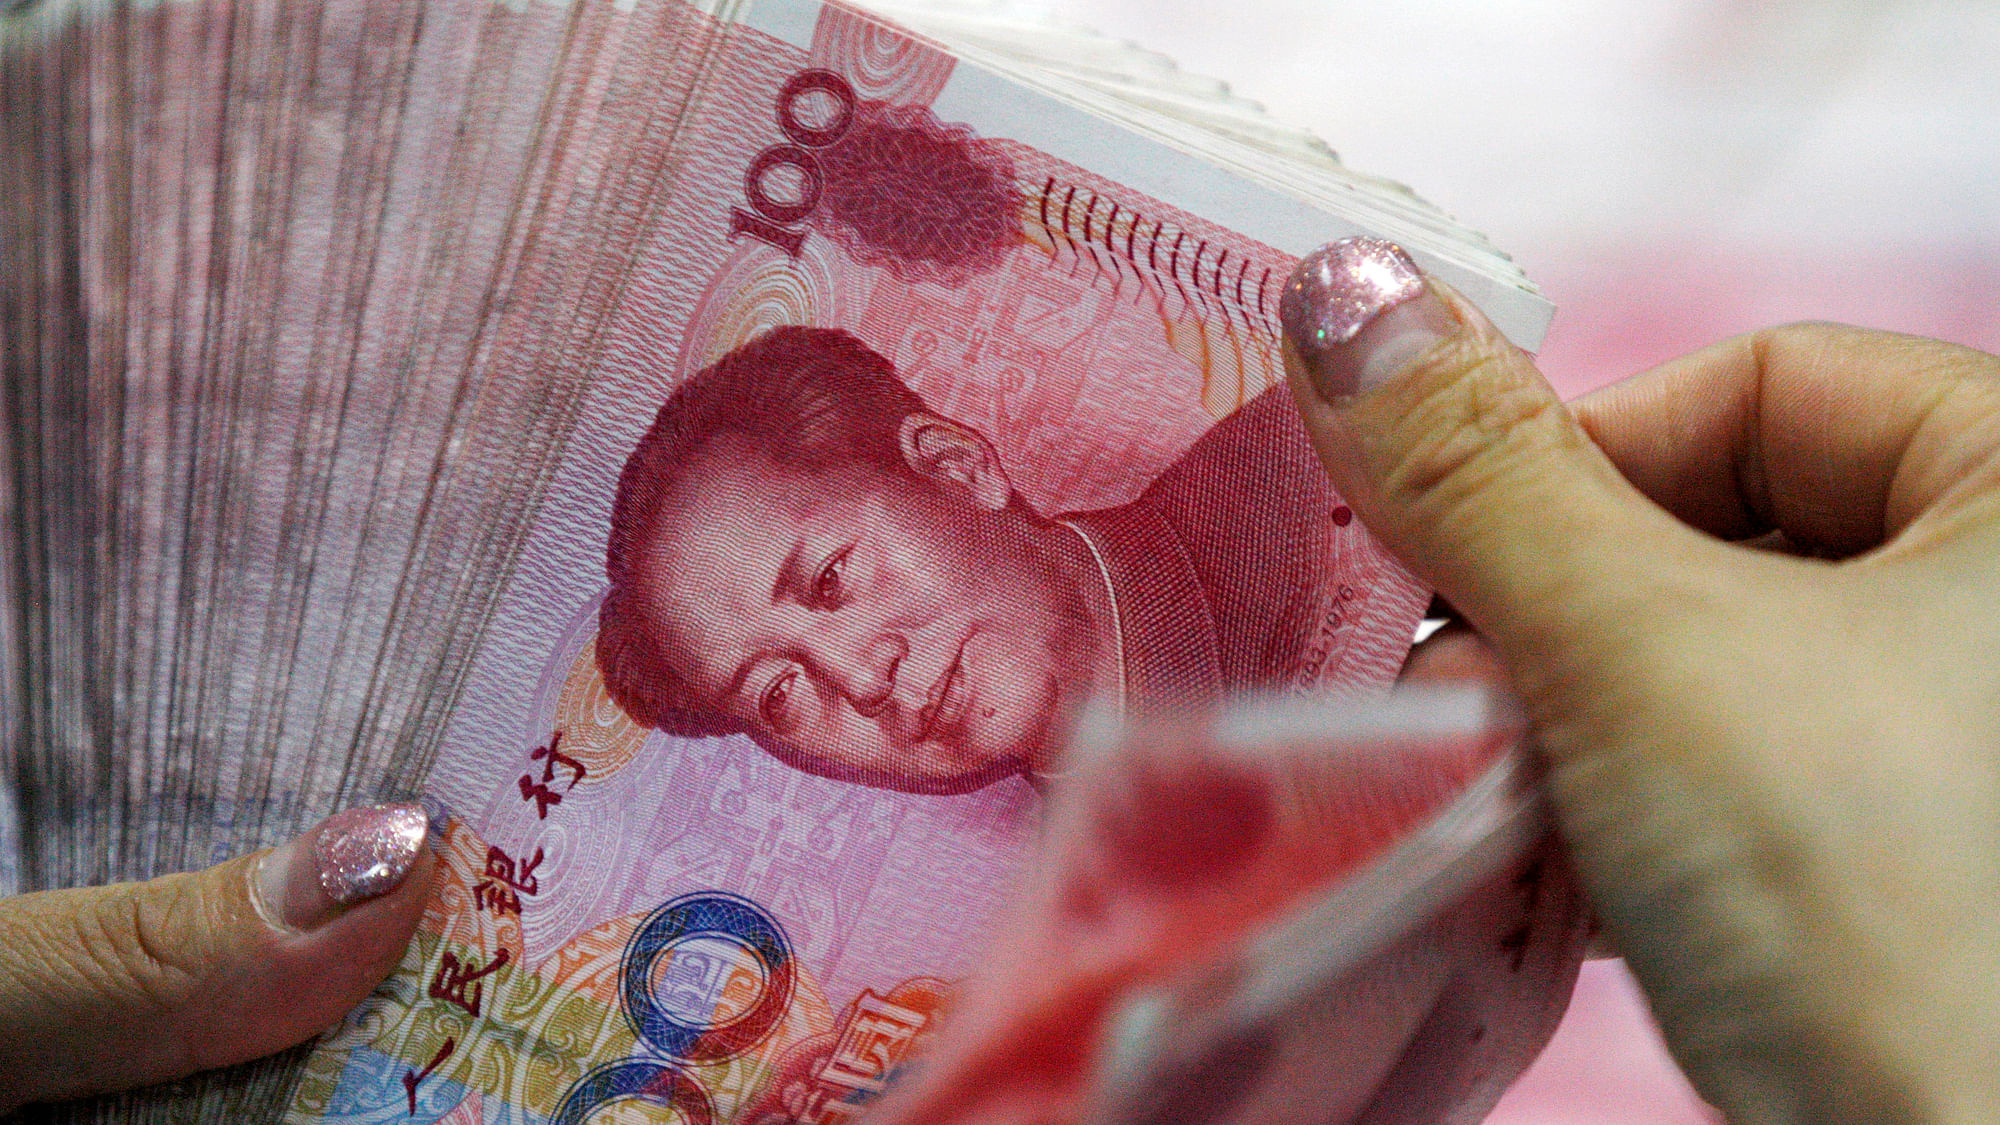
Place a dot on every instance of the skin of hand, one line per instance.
(1778, 771)
(106, 988)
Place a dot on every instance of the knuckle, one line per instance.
(1798, 344)
(1967, 373)
(1469, 431)
(136, 944)
(1812, 344)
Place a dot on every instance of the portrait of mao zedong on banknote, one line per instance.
(802, 551)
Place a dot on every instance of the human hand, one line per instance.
(1779, 776)
(104, 988)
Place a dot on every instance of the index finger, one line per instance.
(1839, 437)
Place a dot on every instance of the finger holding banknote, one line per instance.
(105, 988)
(1777, 774)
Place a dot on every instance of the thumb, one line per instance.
(103, 988)
(1458, 455)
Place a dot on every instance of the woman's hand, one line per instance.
(1779, 774)
(103, 988)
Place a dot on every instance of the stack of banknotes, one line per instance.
(807, 497)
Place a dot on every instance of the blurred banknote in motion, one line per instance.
(1284, 911)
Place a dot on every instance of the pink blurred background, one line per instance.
(1671, 172)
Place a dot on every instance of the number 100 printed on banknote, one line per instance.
(905, 436)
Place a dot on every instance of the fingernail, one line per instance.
(1356, 312)
(352, 856)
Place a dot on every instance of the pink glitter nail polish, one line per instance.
(362, 853)
(1341, 289)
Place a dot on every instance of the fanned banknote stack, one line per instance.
(756, 470)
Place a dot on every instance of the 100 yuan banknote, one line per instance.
(908, 434)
